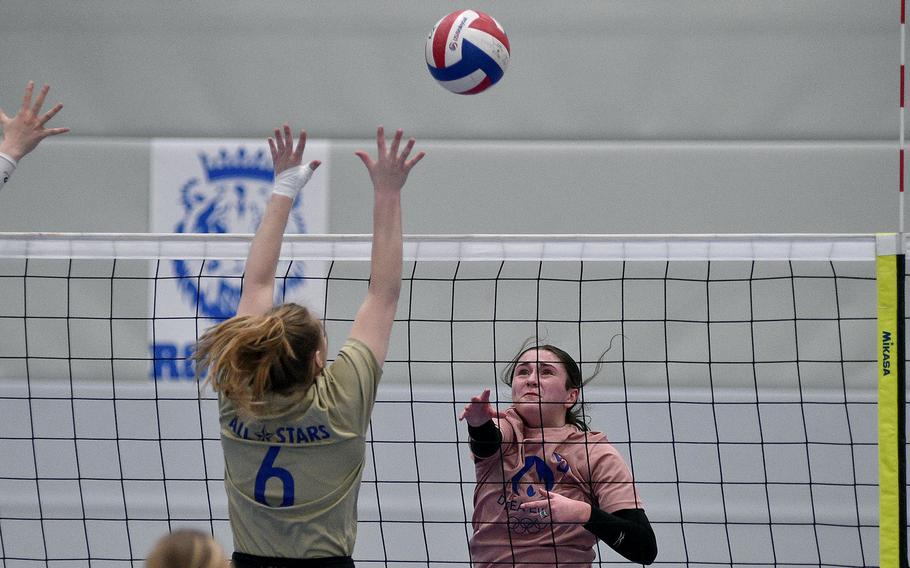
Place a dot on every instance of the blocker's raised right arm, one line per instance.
(389, 172)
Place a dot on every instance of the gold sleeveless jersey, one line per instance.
(292, 473)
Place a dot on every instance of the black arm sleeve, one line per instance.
(485, 439)
(627, 531)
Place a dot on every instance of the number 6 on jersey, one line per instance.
(267, 471)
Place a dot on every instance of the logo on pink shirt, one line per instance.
(544, 473)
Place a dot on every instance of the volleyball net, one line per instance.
(741, 390)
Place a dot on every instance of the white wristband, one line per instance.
(289, 182)
(9, 159)
(7, 165)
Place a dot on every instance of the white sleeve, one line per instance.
(7, 165)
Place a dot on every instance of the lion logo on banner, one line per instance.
(231, 199)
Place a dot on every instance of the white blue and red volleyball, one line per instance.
(467, 52)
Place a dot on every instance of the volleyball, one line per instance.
(467, 52)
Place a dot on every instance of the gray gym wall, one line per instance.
(627, 116)
(635, 116)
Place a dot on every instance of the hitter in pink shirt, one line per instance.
(547, 487)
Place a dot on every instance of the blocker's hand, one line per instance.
(284, 155)
(390, 169)
(23, 131)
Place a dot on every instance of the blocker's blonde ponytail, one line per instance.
(246, 357)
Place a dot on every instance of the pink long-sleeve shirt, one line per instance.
(579, 465)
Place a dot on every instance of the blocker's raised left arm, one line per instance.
(262, 260)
